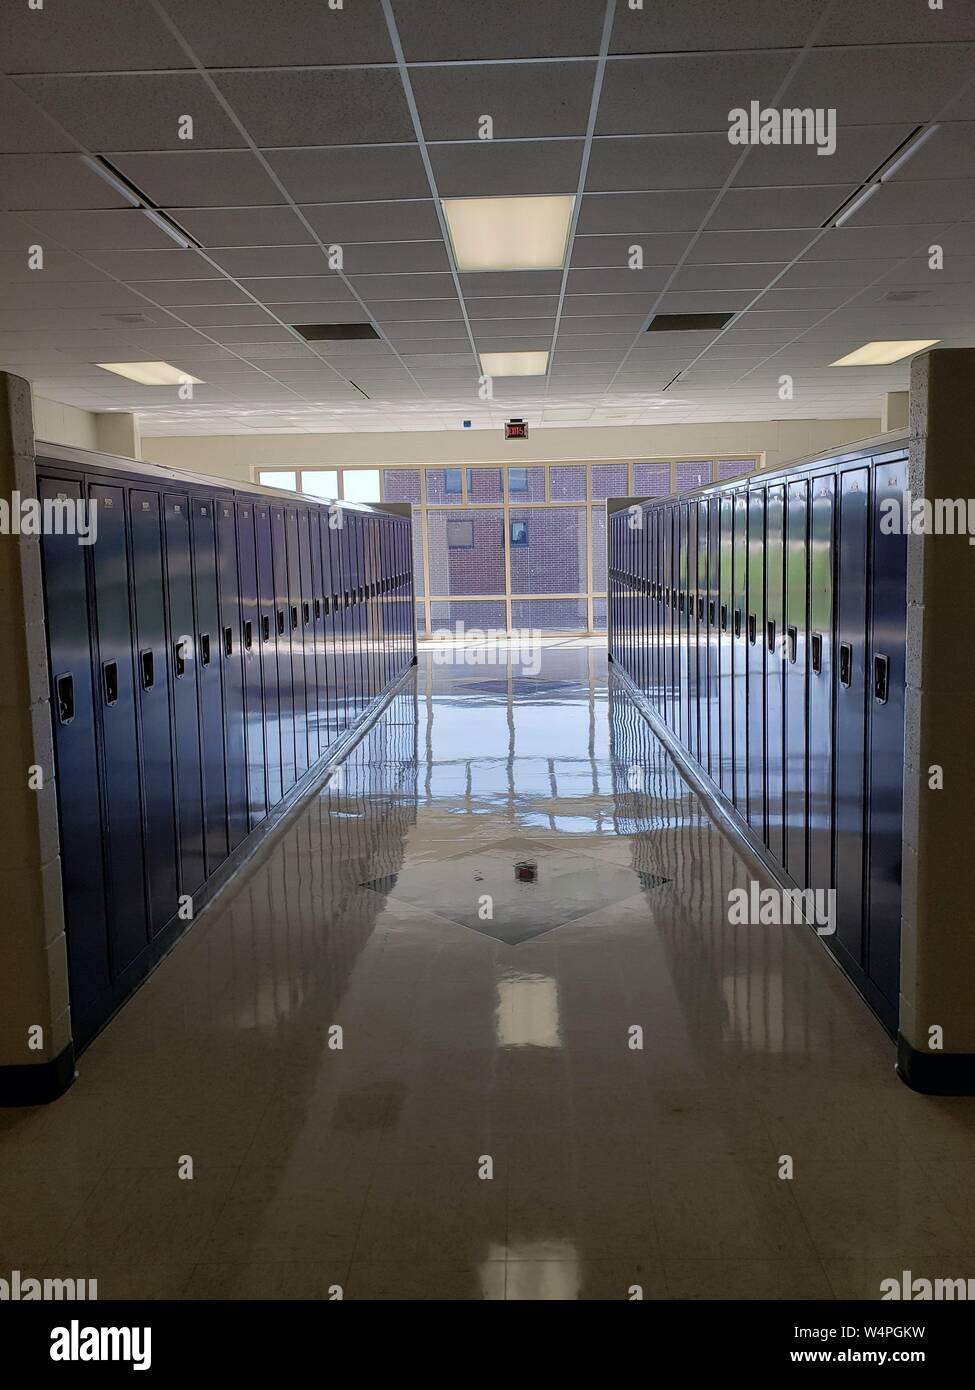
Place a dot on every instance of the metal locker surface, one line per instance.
(821, 680)
(713, 616)
(235, 741)
(69, 638)
(774, 662)
(208, 647)
(796, 682)
(282, 641)
(755, 637)
(317, 516)
(725, 643)
(116, 703)
(693, 692)
(683, 589)
(886, 683)
(252, 652)
(853, 540)
(331, 580)
(294, 626)
(703, 651)
(152, 668)
(339, 551)
(186, 700)
(306, 623)
(739, 650)
(267, 625)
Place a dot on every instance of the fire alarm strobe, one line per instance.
(515, 429)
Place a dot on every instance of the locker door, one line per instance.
(69, 641)
(294, 625)
(887, 680)
(251, 649)
(186, 702)
(352, 645)
(268, 618)
(714, 635)
(339, 551)
(367, 614)
(796, 680)
(235, 741)
(739, 650)
(115, 681)
(693, 714)
(315, 518)
(209, 638)
(645, 551)
(703, 653)
(282, 641)
(821, 680)
(359, 614)
(755, 637)
(158, 792)
(853, 542)
(668, 614)
(683, 587)
(674, 617)
(330, 580)
(306, 621)
(774, 661)
(725, 642)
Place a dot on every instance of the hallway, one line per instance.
(472, 1042)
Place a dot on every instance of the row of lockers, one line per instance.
(205, 652)
(765, 625)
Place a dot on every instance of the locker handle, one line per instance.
(318, 608)
(737, 622)
(265, 629)
(110, 681)
(179, 659)
(347, 598)
(770, 634)
(724, 617)
(64, 688)
(228, 641)
(280, 622)
(817, 653)
(306, 613)
(248, 635)
(362, 593)
(700, 610)
(328, 606)
(294, 616)
(846, 664)
(711, 612)
(680, 601)
(204, 649)
(752, 629)
(793, 633)
(881, 679)
(146, 666)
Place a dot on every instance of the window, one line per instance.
(360, 484)
(460, 535)
(276, 477)
(320, 482)
(517, 480)
(519, 533)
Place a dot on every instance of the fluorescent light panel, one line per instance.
(509, 233)
(151, 373)
(882, 354)
(514, 363)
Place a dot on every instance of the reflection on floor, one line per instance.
(487, 1128)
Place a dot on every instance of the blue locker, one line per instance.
(796, 680)
(210, 681)
(821, 681)
(774, 664)
(267, 611)
(186, 701)
(755, 638)
(726, 685)
(306, 623)
(252, 653)
(235, 733)
(296, 630)
(282, 637)
(739, 650)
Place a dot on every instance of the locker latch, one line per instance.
(179, 659)
(724, 617)
(770, 634)
(306, 613)
(700, 610)
(146, 667)
(793, 633)
(110, 681)
(817, 653)
(881, 679)
(752, 629)
(204, 649)
(265, 629)
(228, 641)
(737, 622)
(294, 616)
(280, 622)
(846, 664)
(64, 688)
(711, 611)
(248, 635)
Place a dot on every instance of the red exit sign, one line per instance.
(516, 429)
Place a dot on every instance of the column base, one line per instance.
(40, 1083)
(936, 1073)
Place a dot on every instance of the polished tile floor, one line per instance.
(400, 1053)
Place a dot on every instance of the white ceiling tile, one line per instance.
(289, 32)
(445, 30)
(369, 174)
(287, 106)
(522, 99)
(506, 168)
(198, 178)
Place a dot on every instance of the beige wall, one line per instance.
(64, 424)
(236, 455)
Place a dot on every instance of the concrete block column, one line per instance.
(936, 1046)
(36, 1055)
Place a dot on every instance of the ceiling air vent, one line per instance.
(687, 323)
(335, 332)
(133, 320)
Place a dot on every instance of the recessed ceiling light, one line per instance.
(151, 373)
(509, 233)
(335, 332)
(883, 353)
(514, 363)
